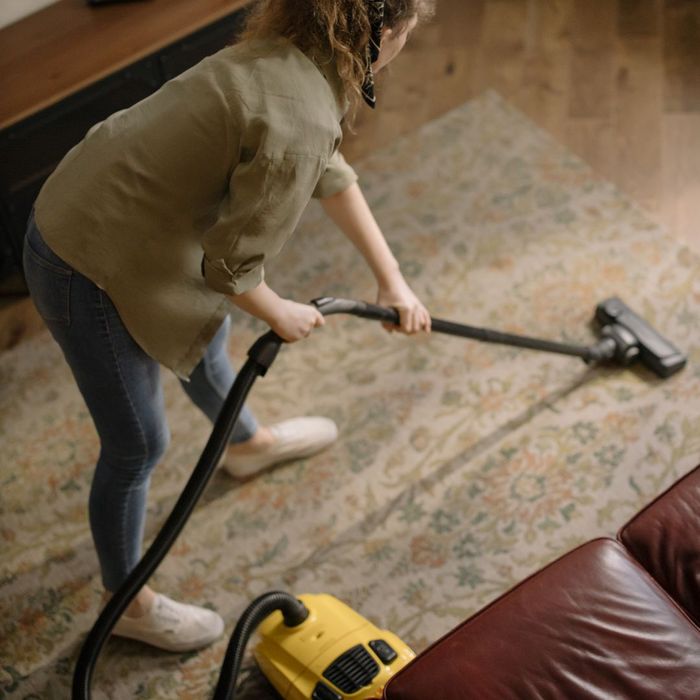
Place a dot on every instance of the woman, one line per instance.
(165, 214)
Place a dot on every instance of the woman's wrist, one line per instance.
(389, 276)
(261, 302)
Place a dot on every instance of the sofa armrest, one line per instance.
(592, 624)
(665, 539)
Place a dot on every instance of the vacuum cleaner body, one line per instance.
(333, 655)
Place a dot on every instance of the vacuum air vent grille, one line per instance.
(353, 670)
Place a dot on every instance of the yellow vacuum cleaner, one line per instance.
(313, 647)
(316, 648)
(334, 654)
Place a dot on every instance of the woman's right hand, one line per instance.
(293, 321)
(289, 319)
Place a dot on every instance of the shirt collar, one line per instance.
(329, 71)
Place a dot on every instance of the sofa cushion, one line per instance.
(592, 624)
(665, 539)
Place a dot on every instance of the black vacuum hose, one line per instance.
(294, 613)
(260, 357)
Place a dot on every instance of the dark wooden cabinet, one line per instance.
(31, 148)
(180, 56)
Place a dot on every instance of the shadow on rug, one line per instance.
(460, 467)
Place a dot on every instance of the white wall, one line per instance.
(13, 10)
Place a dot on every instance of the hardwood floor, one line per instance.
(616, 81)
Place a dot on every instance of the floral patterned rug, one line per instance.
(461, 467)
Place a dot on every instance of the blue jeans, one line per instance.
(121, 386)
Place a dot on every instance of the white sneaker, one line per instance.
(172, 626)
(294, 438)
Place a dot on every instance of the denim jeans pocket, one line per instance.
(48, 279)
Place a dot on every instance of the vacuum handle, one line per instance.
(331, 305)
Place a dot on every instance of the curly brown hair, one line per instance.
(337, 28)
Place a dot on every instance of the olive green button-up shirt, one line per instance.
(210, 174)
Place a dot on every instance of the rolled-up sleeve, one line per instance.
(337, 177)
(221, 278)
(265, 200)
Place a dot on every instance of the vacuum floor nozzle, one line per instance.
(655, 351)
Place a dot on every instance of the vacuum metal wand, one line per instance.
(603, 350)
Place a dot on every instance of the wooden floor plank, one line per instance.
(637, 119)
(593, 140)
(681, 177)
(593, 35)
(501, 51)
(682, 55)
(637, 18)
(544, 89)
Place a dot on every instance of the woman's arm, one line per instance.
(351, 213)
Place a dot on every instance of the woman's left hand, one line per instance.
(414, 316)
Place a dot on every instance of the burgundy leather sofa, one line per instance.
(614, 618)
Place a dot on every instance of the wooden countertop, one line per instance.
(69, 45)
